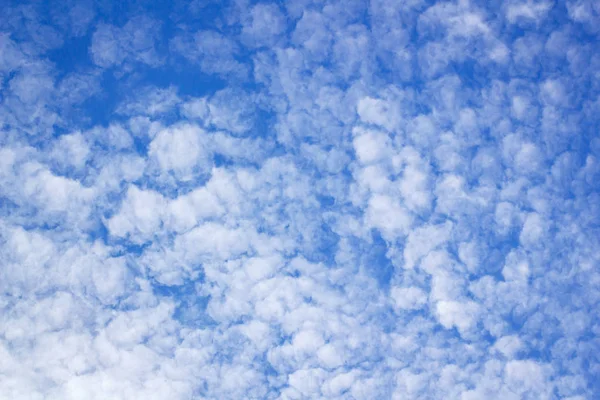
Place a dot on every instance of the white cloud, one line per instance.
(411, 298)
(414, 184)
(180, 150)
(317, 200)
(307, 381)
(55, 193)
(533, 230)
(377, 112)
(329, 356)
(388, 215)
(585, 12)
(312, 33)
(114, 46)
(337, 385)
(523, 376)
(509, 346)
(370, 146)
(185, 211)
(30, 87)
(72, 150)
(528, 10)
(462, 315)
(215, 53)
(410, 384)
(12, 57)
(115, 135)
(140, 215)
(263, 26)
(212, 240)
(516, 269)
(196, 109)
(231, 110)
(423, 240)
(151, 101)
(470, 253)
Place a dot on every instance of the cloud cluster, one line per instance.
(337, 200)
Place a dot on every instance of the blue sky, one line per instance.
(300, 200)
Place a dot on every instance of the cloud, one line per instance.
(215, 53)
(139, 217)
(527, 11)
(584, 12)
(411, 298)
(228, 109)
(179, 150)
(71, 150)
(135, 42)
(311, 200)
(264, 25)
(151, 102)
(370, 146)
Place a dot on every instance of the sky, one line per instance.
(300, 200)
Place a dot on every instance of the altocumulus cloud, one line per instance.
(300, 200)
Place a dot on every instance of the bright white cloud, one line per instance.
(180, 150)
(305, 200)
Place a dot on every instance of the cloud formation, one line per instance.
(336, 200)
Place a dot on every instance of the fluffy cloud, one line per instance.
(180, 151)
(113, 46)
(311, 200)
